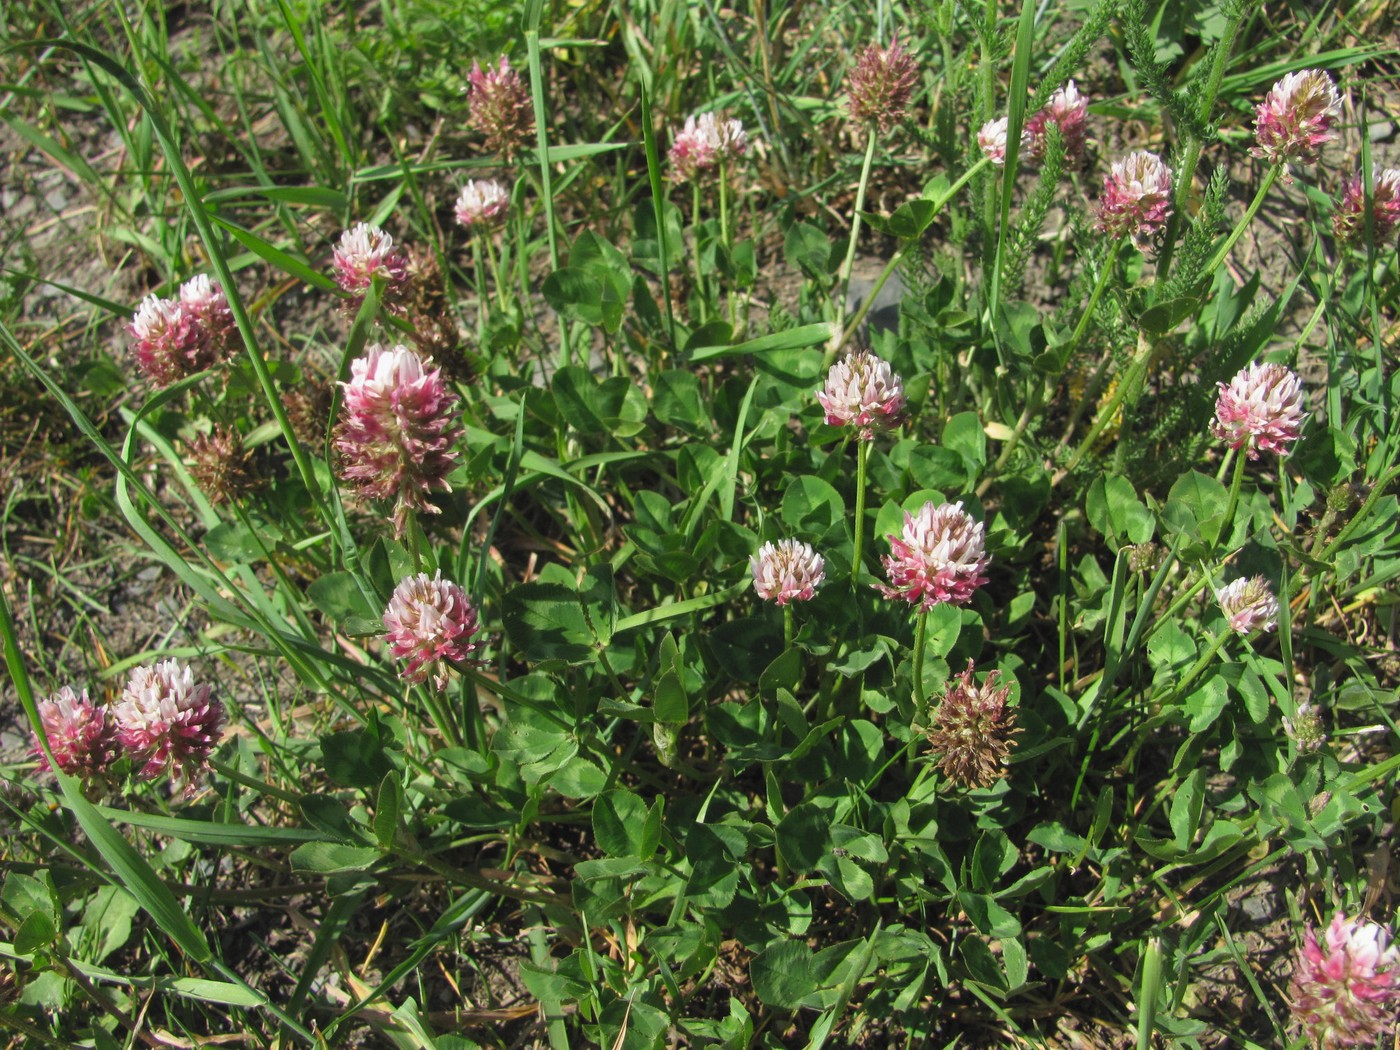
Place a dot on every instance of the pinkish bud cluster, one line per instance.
(1349, 220)
(973, 729)
(169, 723)
(1295, 120)
(482, 204)
(862, 391)
(364, 253)
(1249, 605)
(1068, 111)
(941, 557)
(880, 86)
(787, 571)
(1345, 992)
(175, 338)
(81, 734)
(1261, 408)
(429, 621)
(499, 107)
(704, 143)
(1137, 198)
(991, 140)
(396, 430)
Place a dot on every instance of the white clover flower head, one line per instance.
(787, 571)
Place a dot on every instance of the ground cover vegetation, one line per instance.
(487, 564)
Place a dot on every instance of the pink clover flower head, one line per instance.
(941, 557)
(1295, 118)
(1249, 605)
(1137, 198)
(429, 620)
(704, 142)
(499, 106)
(880, 85)
(169, 723)
(787, 571)
(992, 140)
(81, 735)
(174, 338)
(1345, 991)
(396, 430)
(862, 391)
(482, 204)
(1068, 111)
(1261, 408)
(363, 253)
(1349, 220)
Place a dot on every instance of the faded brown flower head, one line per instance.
(308, 406)
(880, 85)
(973, 730)
(1145, 557)
(219, 464)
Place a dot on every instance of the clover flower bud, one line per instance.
(365, 252)
(500, 108)
(1249, 604)
(396, 430)
(429, 621)
(862, 391)
(81, 734)
(973, 729)
(787, 571)
(1068, 111)
(169, 724)
(940, 557)
(1295, 119)
(1306, 728)
(1349, 220)
(1137, 198)
(1260, 408)
(880, 85)
(482, 204)
(1345, 991)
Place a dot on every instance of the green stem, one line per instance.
(480, 276)
(862, 457)
(844, 278)
(920, 641)
(724, 238)
(854, 323)
(1131, 379)
(1236, 482)
(787, 626)
(1244, 222)
(700, 290)
(1200, 665)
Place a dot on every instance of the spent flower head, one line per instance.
(169, 723)
(941, 557)
(82, 735)
(366, 252)
(482, 204)
(787, 571)
(1306, 728)
(1345, 991)
(1295, 119)
(862, 391)
(880, 85)
(499, 107)
(973, 729)
(397, 429)
(1260, 408)
(1249, 604)
(429, 620)
(1068, 111)
(1349, 220)
(1137, 198)
(219, 464)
